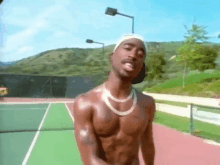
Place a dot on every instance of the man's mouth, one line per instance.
(129, 66)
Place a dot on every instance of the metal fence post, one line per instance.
(51, 87)
(191, 119)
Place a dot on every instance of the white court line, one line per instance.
(211, 142)
(20, 109)
(69, 113)
(35, 138)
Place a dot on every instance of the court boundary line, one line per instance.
(35, 137)
(69, 113)
(18, 109)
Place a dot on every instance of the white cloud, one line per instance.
(17, 21)
(63, 2)
(15, 44)
(39, 23)
(162, 26)
(25, 49)
(215, 34)
(59, 34)
(15, 41)
(18, 16)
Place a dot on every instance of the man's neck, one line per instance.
(118, 88)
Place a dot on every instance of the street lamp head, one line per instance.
(219, 36)
(89, 41)
(111, 11)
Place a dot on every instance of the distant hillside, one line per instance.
(5, 63)
(77, 61)
(62, 62)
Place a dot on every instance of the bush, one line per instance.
(155, 66)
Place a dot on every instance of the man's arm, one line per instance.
(147, 142)
(84, 132)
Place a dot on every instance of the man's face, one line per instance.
(128, 58)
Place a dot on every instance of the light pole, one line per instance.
(113, 12)
(91, 41)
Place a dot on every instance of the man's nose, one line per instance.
(133, 55)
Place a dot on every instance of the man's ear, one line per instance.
(110, 56)
(140, 77)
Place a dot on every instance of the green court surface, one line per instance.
(37, 134)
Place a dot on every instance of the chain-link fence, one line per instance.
(47, 86)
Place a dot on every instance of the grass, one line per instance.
(202, 84)
(192, 78)
(206, 130)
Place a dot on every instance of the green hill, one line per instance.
(61, 62)
(83, 62)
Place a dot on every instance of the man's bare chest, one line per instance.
(107, 123)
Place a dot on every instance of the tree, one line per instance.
(187, 54)
(154, 66)
(196, 33)
(190, 50)
(208, 61)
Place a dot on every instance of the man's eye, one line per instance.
(127, 48)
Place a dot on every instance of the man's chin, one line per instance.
(127, 77)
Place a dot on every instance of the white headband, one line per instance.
(130, 36)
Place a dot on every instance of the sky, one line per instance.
(31, 27)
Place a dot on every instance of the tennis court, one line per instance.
(40, 131)
(37, 133)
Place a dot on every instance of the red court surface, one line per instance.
(176, 148)
(172, 147)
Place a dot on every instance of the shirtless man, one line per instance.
(113, 120)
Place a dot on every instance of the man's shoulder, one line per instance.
(85, 100)
(82, 106)
(149, 104)
(145, 98)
